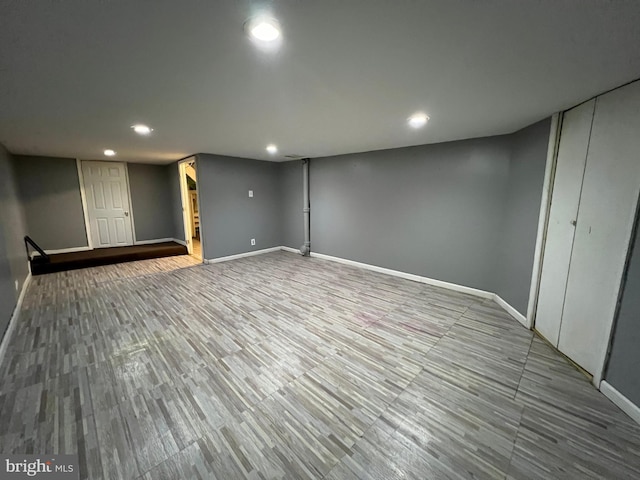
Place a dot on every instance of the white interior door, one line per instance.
(565, 198)
(605, 221)
(107, 195)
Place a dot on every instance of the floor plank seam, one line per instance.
(289, 383)
(448, 330)
(386, 409)
(389, 405)
(524, 367)
(515, 441)
(142, 474)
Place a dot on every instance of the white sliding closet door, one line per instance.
(605, 220)
(565, 198)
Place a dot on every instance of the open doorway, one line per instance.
(190, 206)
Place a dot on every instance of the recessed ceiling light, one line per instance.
(142, 129)
(109, 153)
(418, 120)
(264, 29)
(272, 149)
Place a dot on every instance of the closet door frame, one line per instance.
(605, 224)
(604, 342)
(563, 206)
(545, 208)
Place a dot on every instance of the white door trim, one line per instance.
(598, 375)
(545, 206)
(85, 204)
(200, 211)
(83, 197)
(184, 196)
(133, 223)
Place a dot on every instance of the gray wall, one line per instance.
(291, 219)
(13, 259)
(173, 177)
(50, 193)
(49, 190)
(229, 218)
(622, 371)
(522, 208)
(151, 200)
(433, 210)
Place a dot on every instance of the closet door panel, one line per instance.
(605, 219)
(565, 197)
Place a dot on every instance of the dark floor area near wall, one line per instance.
(280, 366)
(62, 262)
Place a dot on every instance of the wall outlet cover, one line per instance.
(250, 193)
(253, 241)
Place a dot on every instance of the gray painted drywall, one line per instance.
(622, 370)
(50, 193)
(151, 201)
(228, 217)
(522, 208)
(291, 220)
(13, 260)
(431, 210)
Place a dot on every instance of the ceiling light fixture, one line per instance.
(272, 149)
(109, 153)
(264, 29)
(418, 120)
(141, 129)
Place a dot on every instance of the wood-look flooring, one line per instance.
(279, 366)
(197, 248)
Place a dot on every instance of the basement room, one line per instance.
(294, 239)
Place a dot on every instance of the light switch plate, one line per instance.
(250, 193)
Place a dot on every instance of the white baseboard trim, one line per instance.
(84, 249)
(408, 276)
(626, 405)
(289, 249)
(62, 250)
(14, 319)
(511, 311)
(242, 255)
(457, 288)
(150, 242)
(396, 273)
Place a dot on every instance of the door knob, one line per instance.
(573, 222)
(126, 214)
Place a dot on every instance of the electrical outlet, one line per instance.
(253, 241)
(250, 193)
(17, 285)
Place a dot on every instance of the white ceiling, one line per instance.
(76, 74)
